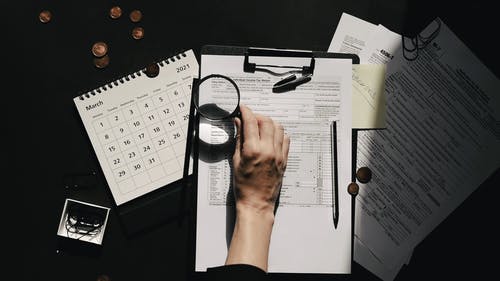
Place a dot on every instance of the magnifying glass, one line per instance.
(217, 97)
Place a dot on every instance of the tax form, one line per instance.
(352, 35)
(376, 46)
(304, 239)
(442, 141)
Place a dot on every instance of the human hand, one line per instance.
(259, 161)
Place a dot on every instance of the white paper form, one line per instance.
(304, 239)
(351, 35)
(371, 262)
(368, 96)
(374, 39)
(442, 141)
(365, 257)
(381, 46)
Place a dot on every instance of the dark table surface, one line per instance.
(49, 64)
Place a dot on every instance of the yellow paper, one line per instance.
(368, 96)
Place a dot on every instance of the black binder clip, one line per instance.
(289, 83)
(412, 45)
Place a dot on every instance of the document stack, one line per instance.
(441, 138)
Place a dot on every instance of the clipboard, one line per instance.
(249, 65)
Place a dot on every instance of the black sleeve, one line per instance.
(239, 272)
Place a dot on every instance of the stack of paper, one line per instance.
(441, 141)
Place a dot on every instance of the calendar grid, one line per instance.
(144, 141)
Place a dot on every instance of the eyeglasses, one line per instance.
(83, 222)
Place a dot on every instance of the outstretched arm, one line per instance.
(259, 163)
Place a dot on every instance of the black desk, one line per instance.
(52, 63)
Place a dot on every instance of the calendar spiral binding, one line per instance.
(162, 63)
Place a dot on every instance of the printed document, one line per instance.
(378, 47)
(442, 141)
(381, 46)
(351, 36)
(304, 239)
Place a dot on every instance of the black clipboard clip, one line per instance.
(289, 83)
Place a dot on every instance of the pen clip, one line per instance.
(290, 83)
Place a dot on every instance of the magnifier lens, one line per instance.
(218, 97)
(214, 135)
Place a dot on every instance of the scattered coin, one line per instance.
(364, 174)
(99, 49)
(115, 12)
(45, 16)
(138, 33)
(152, 70)
(101, 62)
(135, 16)
(353, 188)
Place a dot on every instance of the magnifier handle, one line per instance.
(238, 115)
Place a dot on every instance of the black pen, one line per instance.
(290, 83)
(335, 174)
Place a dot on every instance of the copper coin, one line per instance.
(45, 16)
(99, 49)
(103, 277)
(364, 174)
(101, 62)
(353, 188)
(115, 12)
(152, 70)
(138, 33)
(135, 16)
